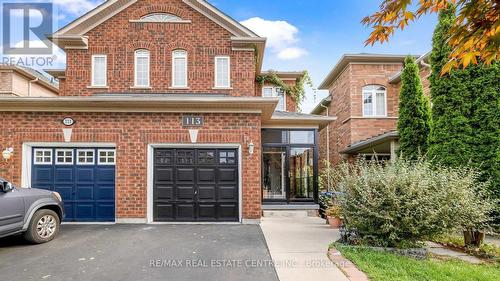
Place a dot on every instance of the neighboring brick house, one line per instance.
(21, 81)
(364, 96)
(159, 118)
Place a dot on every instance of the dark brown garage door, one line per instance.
(195, 185)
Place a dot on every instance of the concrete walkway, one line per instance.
(299, 248)
(440, 250)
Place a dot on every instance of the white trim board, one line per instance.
(150, 171)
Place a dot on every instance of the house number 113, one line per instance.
(192, 121)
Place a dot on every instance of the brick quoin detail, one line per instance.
(132, 132)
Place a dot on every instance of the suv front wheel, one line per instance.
(44, 226)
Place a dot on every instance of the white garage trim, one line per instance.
(150, 169)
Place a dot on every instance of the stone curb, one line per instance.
(346, 266)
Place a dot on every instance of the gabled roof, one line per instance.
(420, 61)
(360, 58)
(72, 36)
(320, 107)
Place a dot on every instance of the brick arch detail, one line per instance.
(159, 8)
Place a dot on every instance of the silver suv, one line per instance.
(34, 212)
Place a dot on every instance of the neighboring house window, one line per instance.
(276, 92)
(179, 68)
(141, 68)
(222, 72)
(374, 101)
(99, 69)
(160, 17)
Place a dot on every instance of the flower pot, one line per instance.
(334, 222)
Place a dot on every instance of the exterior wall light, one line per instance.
(251, 147)
(7, 153)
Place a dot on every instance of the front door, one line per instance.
(274, 181)
(195, 185)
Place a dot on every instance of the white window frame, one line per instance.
(43, 156)
(94, 84)
(228, 71)
(180, 54)
(143, 53)
(107, 157)
(274, 93)
(85, 163)
(65, 151)
(374, 101)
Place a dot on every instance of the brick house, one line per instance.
(364, 96)
(20, 81)
(159, 118)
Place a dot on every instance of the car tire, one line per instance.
(43, 227)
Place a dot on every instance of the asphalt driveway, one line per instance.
(141, 252)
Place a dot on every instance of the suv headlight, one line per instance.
(57, 196)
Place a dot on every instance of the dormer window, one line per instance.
(160, 17)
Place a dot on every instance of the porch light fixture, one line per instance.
(251, 147)
(7, 153)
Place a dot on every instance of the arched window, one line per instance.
(141, 64)
(160, 17)
(179, 69)
(374, 101)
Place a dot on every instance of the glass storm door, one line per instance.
(301, 173)
(274, 173)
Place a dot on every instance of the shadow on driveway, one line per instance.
(141, 252)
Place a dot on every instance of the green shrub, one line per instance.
(401, 203)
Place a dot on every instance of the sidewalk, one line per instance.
(299, 246)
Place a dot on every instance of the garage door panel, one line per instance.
(185, 193)
(207, 211)
(228, 175)
(204, 185)
(84, 192)
(185, 175)
(164, 211)
(206, 193)
(104, 192)
(185, 211)
(228, 193)
(64, 175)
(87, 189)
(85, 174)
(163, 192)
(228, 211)
(206, 175)
(164, 175)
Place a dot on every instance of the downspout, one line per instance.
(29, 85)
(327, 143)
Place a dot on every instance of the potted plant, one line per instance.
(333, 216)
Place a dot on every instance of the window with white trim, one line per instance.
(160, 17)
(374, 101)
(179, 69)
(222, 72)
(64, 156)
(276, 92)
(42, 156)
(85, 157)
(106, 157)
(99, 69)
(141, 62)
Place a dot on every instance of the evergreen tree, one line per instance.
(466, 111)
(414, 113)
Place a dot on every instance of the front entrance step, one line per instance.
(290, 210)
(285, 214)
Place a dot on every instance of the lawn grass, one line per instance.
(383, 266)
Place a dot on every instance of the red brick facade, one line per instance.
(346, 105)
(132, 132)
(118, 38)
